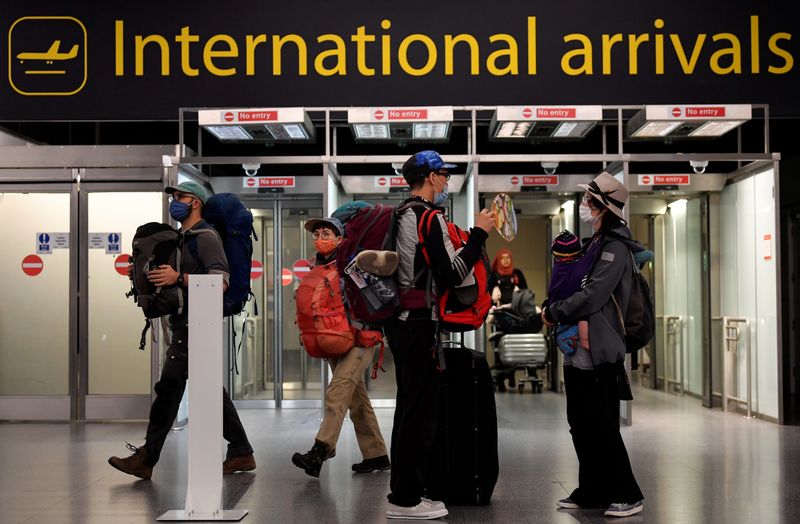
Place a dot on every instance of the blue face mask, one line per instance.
(440, 198)
(179, 210)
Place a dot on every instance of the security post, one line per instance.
(204, 488)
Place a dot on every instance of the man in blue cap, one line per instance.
(412, 338)
(206, 257)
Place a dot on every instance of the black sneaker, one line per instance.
(374, 464)
(311, 462)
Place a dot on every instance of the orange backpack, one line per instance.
(324, 328)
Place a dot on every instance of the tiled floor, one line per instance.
(694, 465)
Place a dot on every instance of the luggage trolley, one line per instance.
(527, 351)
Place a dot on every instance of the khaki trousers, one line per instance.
(347, 390)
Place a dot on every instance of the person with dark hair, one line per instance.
(596, 380)
(347, 389)
(413, 336)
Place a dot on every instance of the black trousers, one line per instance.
(605, 476)
(419, 384)
(169, 390)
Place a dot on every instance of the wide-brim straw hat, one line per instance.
(608, 191)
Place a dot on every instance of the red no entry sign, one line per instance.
(256, 269)
(286, 276)
(32, 265)
(121, 264)
(301, 267)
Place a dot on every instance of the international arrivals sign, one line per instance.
(145, 60)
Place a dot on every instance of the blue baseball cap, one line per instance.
(422, 163)
(331, 222)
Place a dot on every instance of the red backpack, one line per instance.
(462, 308)
(324, 328)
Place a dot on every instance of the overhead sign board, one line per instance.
(359, 115)
(390, 181)
(699, 112)
(556, 113)
(256, 182)
(665, 180)
(147, 62)
(218, 117)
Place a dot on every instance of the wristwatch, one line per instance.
(180, 279)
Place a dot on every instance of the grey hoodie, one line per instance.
(612, 273)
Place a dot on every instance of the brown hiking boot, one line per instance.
(136, 465)
(234, 464)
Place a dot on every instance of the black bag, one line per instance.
(640, 321)
(154, 244)
(463, 465)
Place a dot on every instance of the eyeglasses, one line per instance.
(179, 196)
(445, 175)
(324, 234)
(588, 200)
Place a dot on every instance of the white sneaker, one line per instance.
(425, 510)
(434, 503)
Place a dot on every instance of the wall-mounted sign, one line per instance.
(390, 181)
(47, 242)
(665, 180)
(256, 182)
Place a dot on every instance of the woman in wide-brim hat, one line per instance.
(595, 379)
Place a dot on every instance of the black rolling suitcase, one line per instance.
(463, 465)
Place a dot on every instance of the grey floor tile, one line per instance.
(693, 464)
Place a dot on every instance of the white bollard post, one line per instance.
(204, 487)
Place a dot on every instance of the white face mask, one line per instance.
(585, 212)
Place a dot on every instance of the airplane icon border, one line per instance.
(85, 56)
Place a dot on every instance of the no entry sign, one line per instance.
(32, 265)
(121, 264)
(286, 276)
(301, 267)
(256, 269)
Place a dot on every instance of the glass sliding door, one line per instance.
(36, 371)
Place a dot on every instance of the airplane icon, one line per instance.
(50, 55)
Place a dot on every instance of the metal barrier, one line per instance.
(673, 333)
(731, 333)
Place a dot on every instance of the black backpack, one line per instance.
(640, 319)
(154, 244)
(639, 322)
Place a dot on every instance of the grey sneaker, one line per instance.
(425, 510)
(624, 509)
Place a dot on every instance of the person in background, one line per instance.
(186, 202)
(347, 389)
(505, 278)
(503, 281)
(596, 380)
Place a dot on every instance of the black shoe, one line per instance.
(136, 465)
(374, 464)
(311, 461)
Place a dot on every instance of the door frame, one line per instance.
(117, 406)
(51, 407)
(276, 203)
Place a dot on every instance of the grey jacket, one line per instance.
(612, 273)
